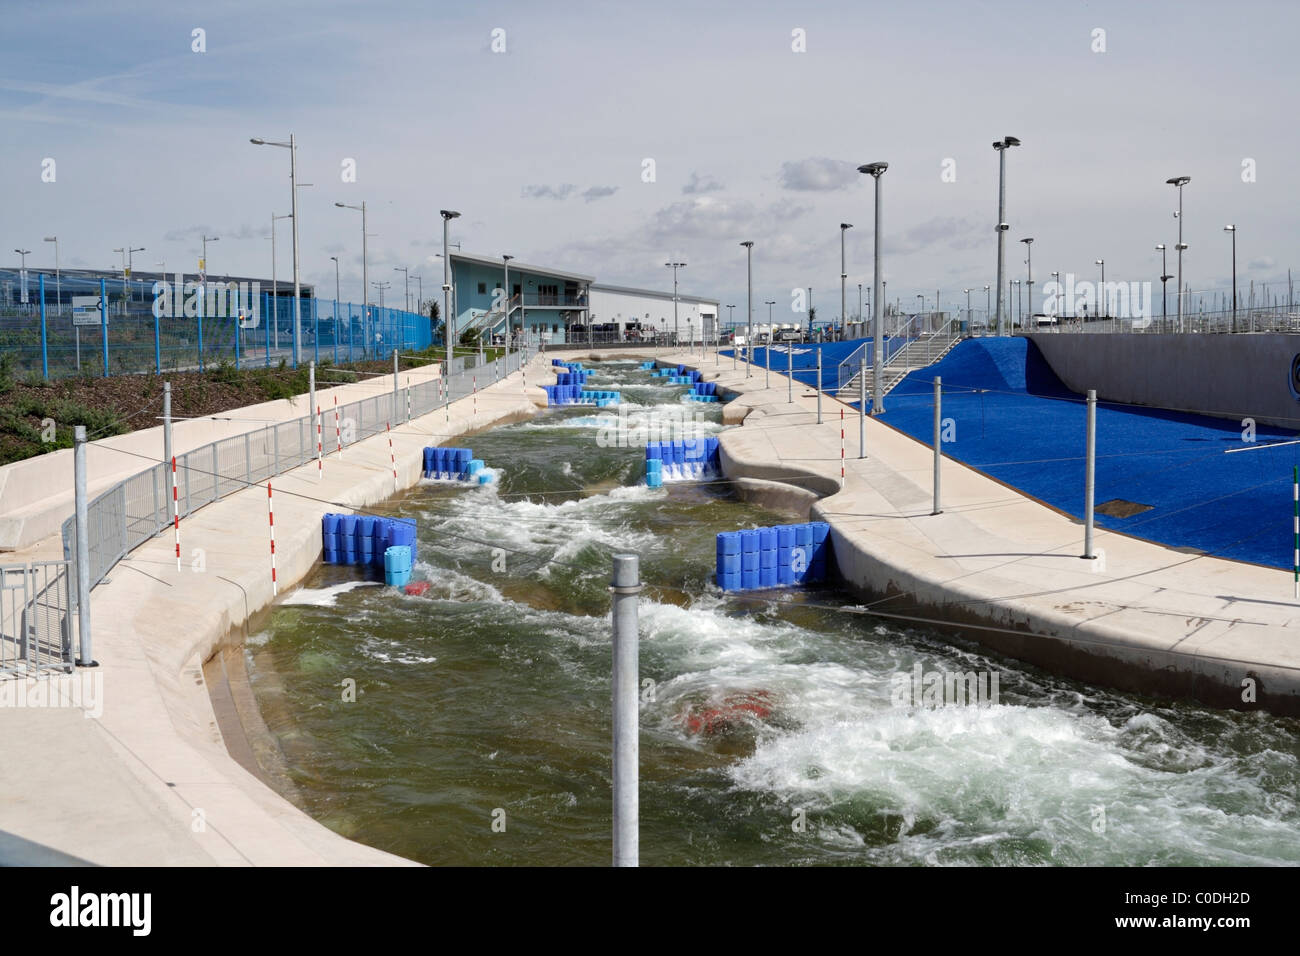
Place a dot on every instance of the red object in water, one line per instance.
(733, 708)
(417, 587)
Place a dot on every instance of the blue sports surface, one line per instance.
(1013, 419)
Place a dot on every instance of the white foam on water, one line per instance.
(324, 597)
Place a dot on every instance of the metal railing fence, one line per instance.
(132, 511)
(36, 607)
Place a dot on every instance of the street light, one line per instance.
(335, 260)
(1233, 229)
(767, 351)
(405, 270)
(505, 259)
(1179, 182)
(1029, 252)
(987, 306)
(1102, 304)
(448, 320)
(365, 285)
(749, 305)
(875, 171)
(1164, 279)
(1002, 146)
(675, 266)
(969, 323)
(844, 227)
(58, 290)
(1060, 294)
(292, 147)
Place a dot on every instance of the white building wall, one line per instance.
(651, 310)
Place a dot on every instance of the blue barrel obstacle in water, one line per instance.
(683, 459)
(703, 392)
(455, 464)
(782, 556)
(366, 541)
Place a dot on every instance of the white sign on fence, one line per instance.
(85, 310)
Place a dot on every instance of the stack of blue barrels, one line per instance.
(365, 540)
(646, 366)
(783, 556)
(599, 398)
(703, 392)
(455, 464)
(681, 458)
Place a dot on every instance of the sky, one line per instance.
(609, 138)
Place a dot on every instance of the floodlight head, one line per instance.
(999, 145)
(1027, 241)
(51, 238)
(1003, 227)
(1179, 180)
(1160, 247)
(506, 257)
(1098, 262)
(1230, 228)
(1180, 246)
(846, 225)
(340, 205)
(1010, 141)
(875, 170)
(257, 141)
(448, 213)
(446, 287)
(748, 243)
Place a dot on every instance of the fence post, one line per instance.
(45, 342)
(216, 474)
(336, 331)
(938, 440)
(103, 321)
(157, 337)
(266, 315)
(789, 373)
(627, 741)
(819, 384)
(1089, 474)
(83, 544)
(167, 421)
(394, 415)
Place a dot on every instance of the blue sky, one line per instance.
(542, 147)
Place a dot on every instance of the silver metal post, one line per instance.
(862, 406)
(819, 384)
(877, 335)
(83, 545)
(1002, 215)
(627, 744)
(789, 372)
(167, 423)
(938, 441)
(311, 391)
(1090, 473)
(395, 374)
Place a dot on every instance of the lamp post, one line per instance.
(292, 147)
(365, 277)
(23, 254)
(274, 317)
(844, 227)
(58, 287)
(749, 304)
(448, 320)
(675, 266)
(405, 271)
(1002, 146)
(419, 292)
(987, 306)
(731, 323)
(767, 350)
(875, 171)
(1164, 278)
(1016, 303)
(968, 318)
(1102, 305)
(1179, 182)
(1233, 229)
(505, 261)
(1060, 295)
(1029, 260)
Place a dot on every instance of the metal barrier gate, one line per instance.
(36, 618)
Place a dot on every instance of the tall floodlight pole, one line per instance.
(335, 260)
(1233, 229)
(1029, 260)
(1101, 290)
(1179, 182)
(969, 323)
(406, 271)
(844, 319)
(1164, 279)
(1002, 146)
(987, 306)
(365, 277)
(448, 322)
(505, 261)
(749, 305)
(1060, 295)
(675, 266)
(292, 147)
(875, 171)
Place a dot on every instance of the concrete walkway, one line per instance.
(1006, 570)
(150, 781)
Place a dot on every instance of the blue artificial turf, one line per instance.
(1016, 421)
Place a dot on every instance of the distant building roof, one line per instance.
(517, 266)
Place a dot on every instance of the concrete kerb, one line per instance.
(1003, 569)
(157, 744)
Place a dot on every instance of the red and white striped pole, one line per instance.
(270, 520)
(392, 456)
(320, 454)
(338, 432)
(841, 447)
(176, 514)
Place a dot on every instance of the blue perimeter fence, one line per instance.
(73, 325)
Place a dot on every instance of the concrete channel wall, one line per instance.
(1225, 375)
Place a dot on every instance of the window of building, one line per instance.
(482, 288)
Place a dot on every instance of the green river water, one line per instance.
(488, 698)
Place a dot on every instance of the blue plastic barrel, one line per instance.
(785, 536)
(728, 542)
(768, 577)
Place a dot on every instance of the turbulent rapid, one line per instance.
(772, 728)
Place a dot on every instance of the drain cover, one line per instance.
(1119, 508)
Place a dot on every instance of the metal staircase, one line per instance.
(922, 349)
